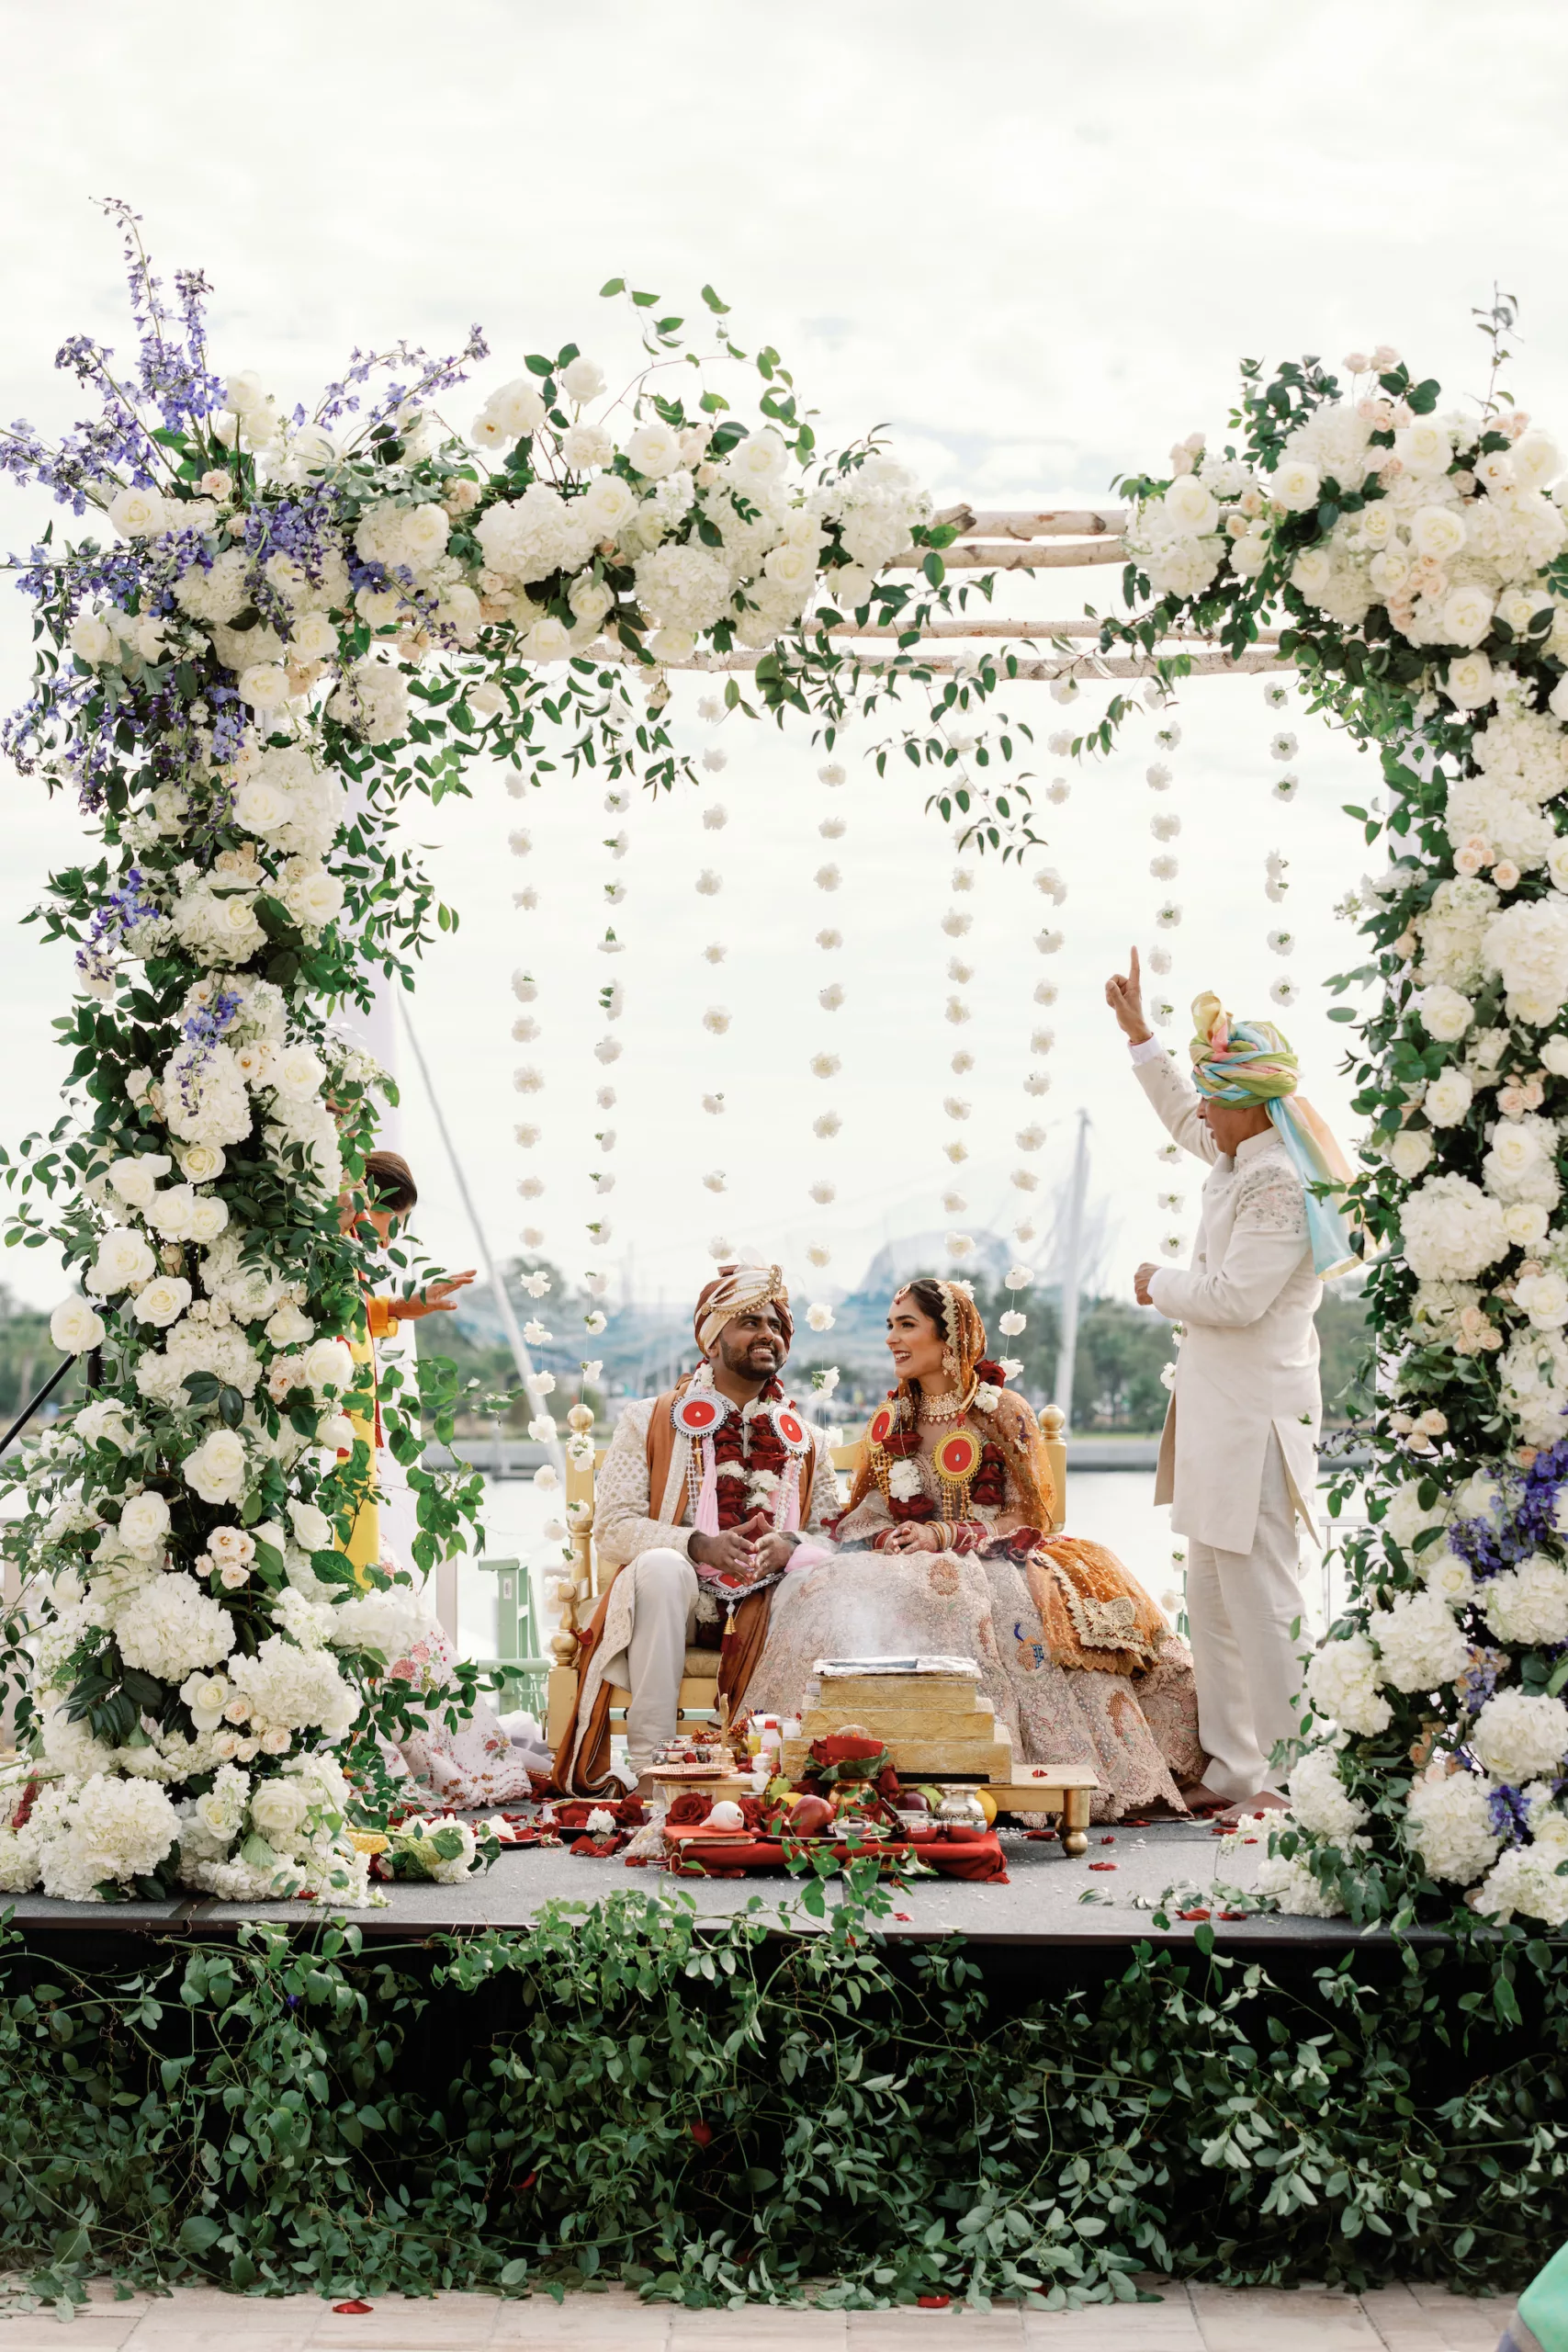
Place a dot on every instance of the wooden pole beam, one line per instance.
(1026, 631)
(970, 555)
(1085, 666)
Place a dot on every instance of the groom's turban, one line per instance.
(1250, 1062)
(739, 1290)
(1238, 1061)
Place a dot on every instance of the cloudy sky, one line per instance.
(1033, 243)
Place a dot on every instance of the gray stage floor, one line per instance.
(1049, 1897)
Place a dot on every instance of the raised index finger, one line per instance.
(1133, 968)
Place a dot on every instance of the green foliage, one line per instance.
(712, 2113)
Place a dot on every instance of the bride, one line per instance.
(944, 1549)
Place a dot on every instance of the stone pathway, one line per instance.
(1189, 2319)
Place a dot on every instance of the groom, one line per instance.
(705, 1496)
(1237, 1460)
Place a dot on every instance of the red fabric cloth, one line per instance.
(977, 1859)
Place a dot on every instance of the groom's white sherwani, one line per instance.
(1238, 1459)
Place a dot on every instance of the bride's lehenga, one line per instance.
(1074, 1657)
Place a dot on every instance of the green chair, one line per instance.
(515, 1675)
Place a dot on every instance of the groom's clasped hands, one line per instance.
(751, 1549)
(1124, 995)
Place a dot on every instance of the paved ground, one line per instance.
(1092, 1900)
(1198, 2318)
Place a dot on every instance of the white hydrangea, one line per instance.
(1529, 1602)
(205, 1099)
(373, 701)
(172, 1628)
(1452, 1229)
(1534, 1375)
(529, 537)
(290, 1688)
(1526, 944)
(1521, 1735)
(1453, 931)
(1407, 1517)
(220, 1349)
(1319, 1799)
(1526, 1879)
(1447, 1823)
(1295, 1890)
(1419, 1642)
(1342, 1683)
(108, 1830)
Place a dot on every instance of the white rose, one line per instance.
(286, 1326)
(201, 1163)
(139, 513)
(123, 1258)
(312, 1528)
(74, 1328)
(1295, 485)
(260, 807)
(583, 445)
(279, 1807)
(517, 409)
(608, 504)
(1448, 1099)
(265, 685)
(1544, 1298)
(1525, 1222)
(163, 1301)
(789, 566)
(1189, 506)
(92, 639)
(327, 1363)
(581, 381)
(654, 450)
(1424, 447)
(317, 896)
(758, 461)
(216, 1469)
(1409, 1153)
(547, 640)
(169, 1212)
(144, 1522)
(1537, 461)
(136, 1179)
(1437, 531)
(312, 636)
(297, 1073)
(1467, 614)
(425, 531)
(1445, 1013)
(208, 1219)
(1469, 682)
(1312, 572)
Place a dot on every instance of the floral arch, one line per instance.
(301, 622)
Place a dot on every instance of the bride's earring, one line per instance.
(949, 1361)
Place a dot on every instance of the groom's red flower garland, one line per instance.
(765, 1451)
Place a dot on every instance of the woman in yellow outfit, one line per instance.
(390, 1189)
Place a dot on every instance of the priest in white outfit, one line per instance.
(1238, 1456)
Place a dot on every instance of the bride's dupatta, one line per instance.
(1092, 1613)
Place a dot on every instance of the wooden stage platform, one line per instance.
(1050, 1899)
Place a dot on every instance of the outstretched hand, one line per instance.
(1124, 995)
(436, 1298)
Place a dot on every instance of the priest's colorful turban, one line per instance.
(1251, 1062)
(739, 1290)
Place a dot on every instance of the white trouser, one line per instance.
(664, 1603)
(1241, 1606)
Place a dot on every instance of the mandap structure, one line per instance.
(265, 632)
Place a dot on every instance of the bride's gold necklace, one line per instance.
(941, 1409)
